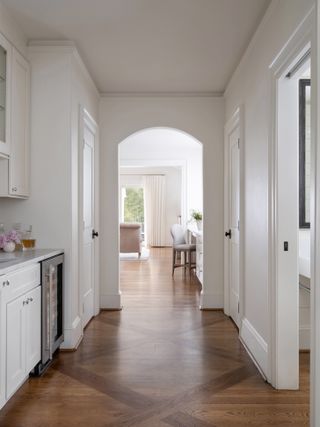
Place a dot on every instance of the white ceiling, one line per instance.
(148, 45)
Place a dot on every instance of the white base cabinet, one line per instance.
(20, 332)
(23, 338)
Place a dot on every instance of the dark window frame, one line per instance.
(303, 84)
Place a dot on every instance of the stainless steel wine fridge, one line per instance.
(52, 310)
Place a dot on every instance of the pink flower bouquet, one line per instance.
(9, 236)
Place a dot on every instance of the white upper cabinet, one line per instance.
(5, 95)
(20, 111)
(14, 122)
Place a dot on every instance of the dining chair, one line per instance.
(180, 246)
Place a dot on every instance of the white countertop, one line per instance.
(12, 261)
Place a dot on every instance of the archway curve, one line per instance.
(166, 134)
(151, 128)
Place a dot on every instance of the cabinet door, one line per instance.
(33, 328)
(16, 344)
(3, 335)
(5, 95)
(20, 111)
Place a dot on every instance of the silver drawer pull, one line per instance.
(6, 283)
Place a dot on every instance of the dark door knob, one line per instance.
(94, 234)
(228, 234)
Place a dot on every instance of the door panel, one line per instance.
(19, 170)
(33, 328)
(88, 226)
(234, 218)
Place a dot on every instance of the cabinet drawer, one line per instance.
(20, 281)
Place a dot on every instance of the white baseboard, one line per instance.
(73, 335)
(211, 301)
(110, 301)
(255, 345)
(304, 338)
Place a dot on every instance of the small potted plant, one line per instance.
(8, 240)
(197, 217)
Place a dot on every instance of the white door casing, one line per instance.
(232, 220)
(87, 268)
(234, 223)
(283, 307)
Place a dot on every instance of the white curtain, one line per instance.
(155, 200)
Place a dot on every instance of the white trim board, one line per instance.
(111, 301)
(255, 345)
(315, 229)
(209, 301)
(73, 336)
(161, 94)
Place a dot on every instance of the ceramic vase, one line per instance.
(9, 247)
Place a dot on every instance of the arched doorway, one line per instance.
(173, 159)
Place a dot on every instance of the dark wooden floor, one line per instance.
(159, 362)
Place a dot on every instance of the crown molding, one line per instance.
(161, 94)
(66, 47)
(254, 39)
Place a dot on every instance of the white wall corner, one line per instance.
(111, 301)
(73, 335)
(211, 300)
(255, 345)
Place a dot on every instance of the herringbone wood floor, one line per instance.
(159, 362)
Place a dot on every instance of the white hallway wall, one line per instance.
(202, 118)
(52, 208)
(130, 177)
(250, 87)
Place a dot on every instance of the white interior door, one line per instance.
(87, 260)
(234, 220)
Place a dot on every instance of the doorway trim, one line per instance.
(85, 119)
(236, 120)
(297, 45)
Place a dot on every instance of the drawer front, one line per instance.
(20, 281)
